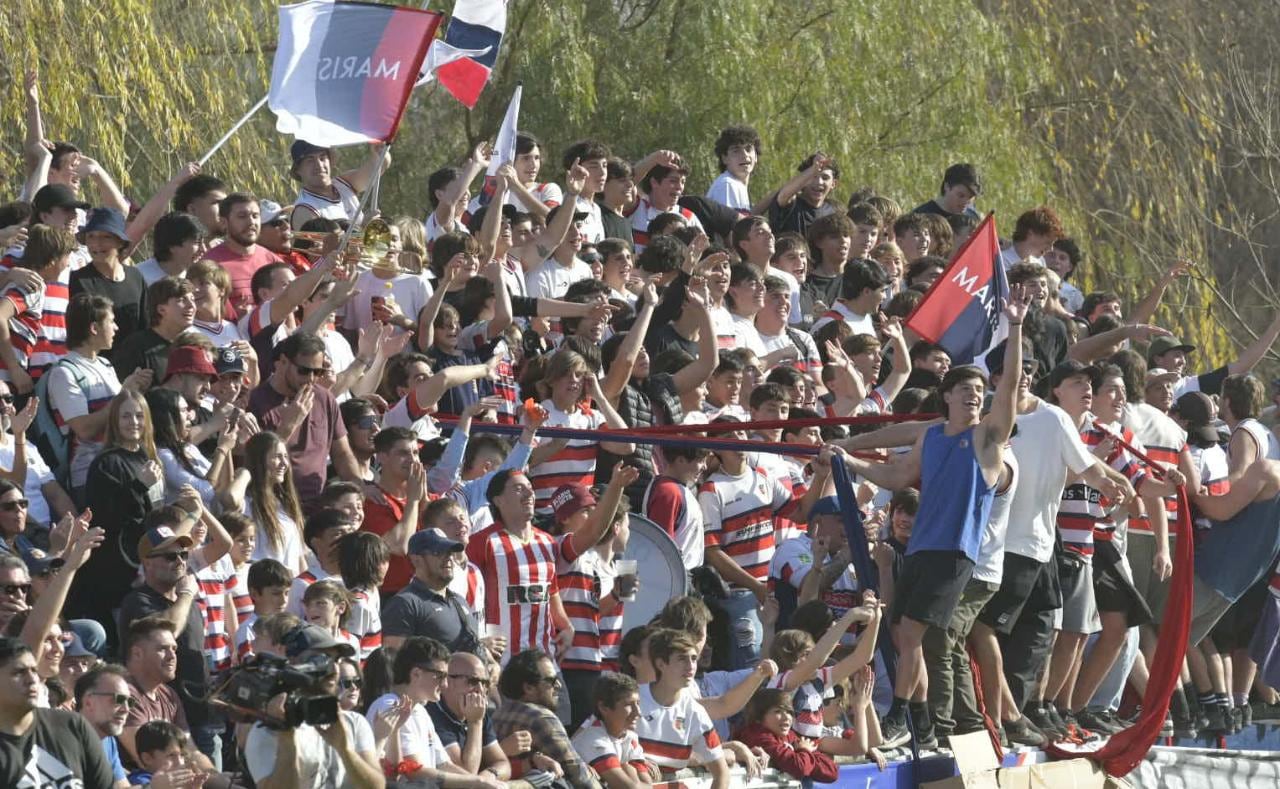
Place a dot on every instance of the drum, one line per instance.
(660, 569)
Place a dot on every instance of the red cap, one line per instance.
(569, 499)
(189, 359)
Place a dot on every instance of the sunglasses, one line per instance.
(6, 398)
(437, 673)
(475, 682)
(315, 371)
(368, 422)
(553, 681)
(350, 683)
(16, 590)
(15, 505)
(172, 556)
(118, 699)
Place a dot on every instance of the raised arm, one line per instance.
(1145, 309)
(602, 517)
(298, 291)
(788, 191)
(619, 372)
(491, 227)
(697, 372)
(808, 667)
(1088, 349)
(611, 418)
(897, 474)
(157, 206)
(1251, 355)
(897, 378)
(998, 424)
(544, 246)
(48, 606)
(362, 176)
(660, 157)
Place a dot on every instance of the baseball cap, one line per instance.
(1195, 409)
(1159, 375)
(433, 541)
(39, 563)
(75, 647)
(477, 219)
(228, 360)
(1069, 369)
(301, 149)
(106, 220)
(188, 359)
(569, 499)
(271, 210)
(53, 196)
(578, 216)
(1162, 345)
(161, 539)
(305, 638)
(828, 505)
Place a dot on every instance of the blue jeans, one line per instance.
(1112, 687)
(745, 629)
(208, 740)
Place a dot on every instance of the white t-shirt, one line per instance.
(1047, 445)
(340, 356)
(745, 330)
(418, 738)
(730, 191)
(861, 324)
(151, 271)
(409, 291)
(79, 386)
(592, 227)
(321, 767)
(603, 752)
(221, 334)
(679, 734)
(796, 315)
(550, 280)
(291, 552)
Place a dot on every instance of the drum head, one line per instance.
(660, 569)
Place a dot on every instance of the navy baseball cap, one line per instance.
(830, 505)
(106, 220)
(433, 541)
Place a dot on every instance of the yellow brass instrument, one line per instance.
(372, 244)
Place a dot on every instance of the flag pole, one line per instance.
(243, 120)
(379, 154)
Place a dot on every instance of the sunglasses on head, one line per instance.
(15, 505)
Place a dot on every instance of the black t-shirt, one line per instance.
(615, 225)
(192, 681)
(797, 217)
(418, 611)
(933, 207)
(818, 288)
(666, 336)
(142, 350)
(59, 750)
(129, 296)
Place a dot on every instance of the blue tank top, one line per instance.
(955, 499)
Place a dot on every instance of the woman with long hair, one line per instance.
(125, 483)
(183, 462)
(264, 490)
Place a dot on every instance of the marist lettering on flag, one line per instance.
(343, 71)
(962, 310)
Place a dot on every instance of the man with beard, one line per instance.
(239, 253)
(102, 698)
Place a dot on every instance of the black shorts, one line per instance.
(1026, 585)
(930, 585)
(1235, 629)
(1113, 592)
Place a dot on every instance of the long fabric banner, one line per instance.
(344, 70)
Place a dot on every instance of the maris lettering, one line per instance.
(357, 68)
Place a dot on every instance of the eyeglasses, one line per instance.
(16, 590)
(475, 682)
(118, 699)
(315, 371)
(15, 505)
(553, 681)
(350, 683)
(368, 422)
(172, 556)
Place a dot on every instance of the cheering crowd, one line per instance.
(235, 438)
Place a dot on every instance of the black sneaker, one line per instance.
(1114, 720)
(1265, 713)
(1096, 720)
(893, 732)
(1187, 728)
(1059, 717)
(1023, 732)
(1236, 720)
(1218, 718)
(1246, 714)
(1039, 717)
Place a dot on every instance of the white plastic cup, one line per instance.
(627, 567)
(493, 631)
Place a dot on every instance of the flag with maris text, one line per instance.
(962, 310)
(344, 70)
(504, 152)
(475, 25)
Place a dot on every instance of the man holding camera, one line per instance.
(340, 754)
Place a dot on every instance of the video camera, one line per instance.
(249, 690)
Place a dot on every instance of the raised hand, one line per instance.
(482, 153)
(82, 545)
(23, 419)
(575, 180)
(1015, 308)
(628, 474)
(14, 236)
(139, 380)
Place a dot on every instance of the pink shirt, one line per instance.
(241, 268)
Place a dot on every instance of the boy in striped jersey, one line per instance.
(584, 564)
(33, 328)
(608, 741)
(674, 729)
(321, 533)
(739, 503)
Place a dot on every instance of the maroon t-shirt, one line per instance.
(241, 268)
(310, 445)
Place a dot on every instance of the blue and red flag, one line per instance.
(476, 25)
(962, 310)
(343, 71)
